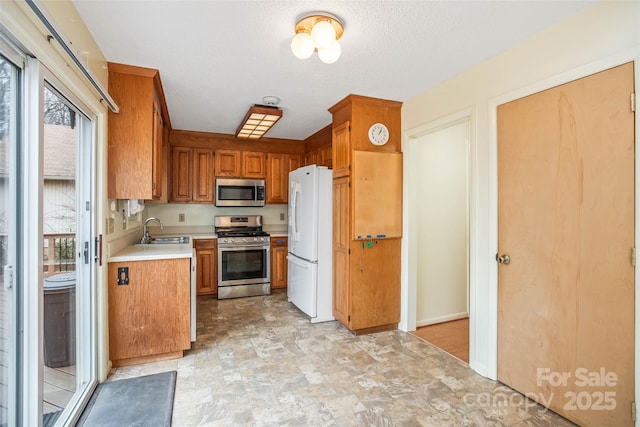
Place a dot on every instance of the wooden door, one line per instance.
(181, 181)
(278, 262)
(158, 133)
(202, 175)
(253, 165)
(566, 219)
(341, 145)
(276, 179)
(206, 267)
(341, 240)
(227, 163)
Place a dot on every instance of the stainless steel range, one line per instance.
(243, 257)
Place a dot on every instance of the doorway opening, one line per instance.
(441, 180)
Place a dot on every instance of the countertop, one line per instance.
(153, 252)
(169, 251)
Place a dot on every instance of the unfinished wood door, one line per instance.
(566, 220)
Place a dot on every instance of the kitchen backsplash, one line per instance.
(203, 214)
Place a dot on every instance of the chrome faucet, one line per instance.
(145, 233)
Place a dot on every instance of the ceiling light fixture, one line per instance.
(258, 120)
(319, 32)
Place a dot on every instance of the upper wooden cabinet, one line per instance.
(341, 150)
(278, 167)
(191, 175)
(136, 133)
(240, 164)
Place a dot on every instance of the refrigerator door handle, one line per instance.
(295, 261)
(295, 187)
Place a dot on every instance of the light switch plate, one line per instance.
(180, 217)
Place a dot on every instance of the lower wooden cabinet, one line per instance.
(206, 266)
(149, 310)
(279, 249)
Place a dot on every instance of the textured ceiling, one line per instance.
(216, 58)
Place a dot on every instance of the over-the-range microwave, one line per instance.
(239, 192)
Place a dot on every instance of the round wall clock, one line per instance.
(378, 134)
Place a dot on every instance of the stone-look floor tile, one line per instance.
(258, 361)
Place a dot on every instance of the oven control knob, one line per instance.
(244, 239)
(232, 240)
(255, 239)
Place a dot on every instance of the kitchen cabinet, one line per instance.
(136, 133)
(367, 217)
(278, 167)
(149, 312)
(206, 266)
(240, 164)
(279, 250)
(191, 175)
(321, 157)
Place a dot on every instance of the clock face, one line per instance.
(378, 134)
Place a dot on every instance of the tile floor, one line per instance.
(259, 362)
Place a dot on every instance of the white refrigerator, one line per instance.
(309, 282)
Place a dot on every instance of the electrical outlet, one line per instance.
(281, 216)
(180, 217)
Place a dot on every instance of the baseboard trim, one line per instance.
(442, 319)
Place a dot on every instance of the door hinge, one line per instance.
(349, 318)
(633, 257)
(633, 102)
(633, 411)
(349, 251)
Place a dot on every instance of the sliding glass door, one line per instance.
(9, 119)
(47, 228)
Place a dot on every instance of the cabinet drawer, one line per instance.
(279, 241)
(204, 243)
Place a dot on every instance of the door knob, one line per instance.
(503, 259)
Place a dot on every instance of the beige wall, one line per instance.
(605, 35)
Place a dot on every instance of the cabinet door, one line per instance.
(254, 165)
(157, 152)
(295, 161)
(181, 173)
(149, 315)
(341, 156)
(311, 158)
(227, 163)
(326, 154)
(276, 182)
(341, 267)
(206, 267)
(202, 175)
(278, 262)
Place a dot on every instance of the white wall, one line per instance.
(605, 35)
(441, 202)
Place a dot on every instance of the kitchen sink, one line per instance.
(168, 240)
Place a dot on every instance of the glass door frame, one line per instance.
(36, 76)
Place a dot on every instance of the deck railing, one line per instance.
(59, 253)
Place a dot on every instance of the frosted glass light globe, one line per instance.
(330, 54)
(323, 34)
(302, 46)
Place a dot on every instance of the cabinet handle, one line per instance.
(280, 241)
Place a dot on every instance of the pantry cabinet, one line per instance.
(277, 183)
(279, 249)
(191, 175)
(206, 266)
(135, 147)
(149, 310)
(240, 164)
(367, 217)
